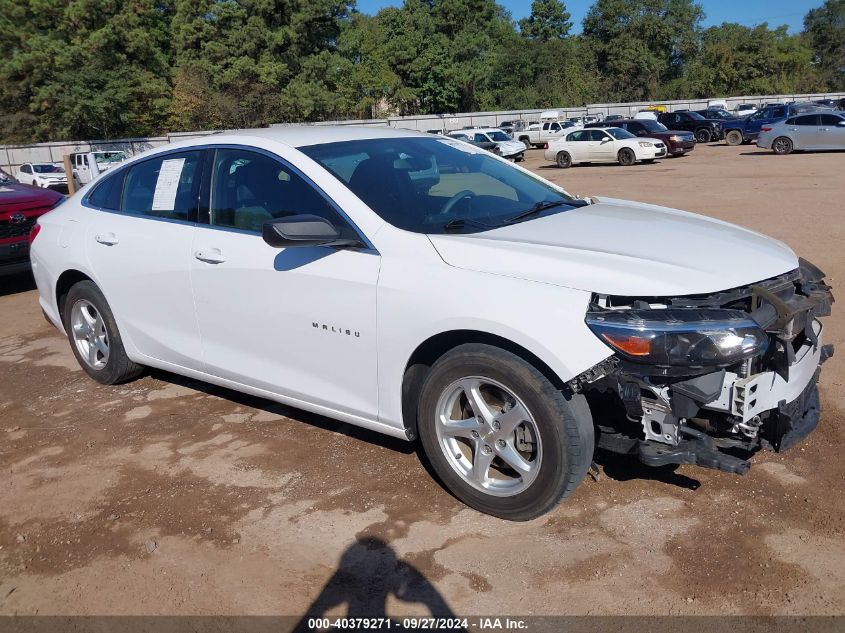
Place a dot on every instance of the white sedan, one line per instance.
(42, 175)
(424, 288)
(607, 145)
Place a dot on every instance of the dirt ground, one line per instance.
(168, 496)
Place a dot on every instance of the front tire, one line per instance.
(627, 157)
(94, 337)
(500, 436)
(703, 135)
(563, 160)
(734, 137)
(782, 145)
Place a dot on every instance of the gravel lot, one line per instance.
(167, 496)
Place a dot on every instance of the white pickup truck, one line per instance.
(89, 165)
(546, 131)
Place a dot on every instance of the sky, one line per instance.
(746, 12)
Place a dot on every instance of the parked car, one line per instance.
(717, 114)
(819, 131)
(705, 130)
(746, 130)
(508, 127)
(491, 146)
(603, 145)
(614, 117)
(678, 142)
(491, 314)
(89, 165)
(542, 133)
(508, 148)
(45, 175)
(745, 109)
(20, 206)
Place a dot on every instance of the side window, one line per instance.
(106, 194)
(596, 135)
(807, 119)
(249, 189)
(480, 138)
(830, 119)
(555, 127)
(163, 187)
(778, 112)
(545, 126)
(577, 136)
(26, 169)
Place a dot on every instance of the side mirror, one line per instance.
(303, 230)
(605, 140)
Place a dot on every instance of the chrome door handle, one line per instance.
(210, 256)
(109, 239)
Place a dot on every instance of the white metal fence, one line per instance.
(11, 156)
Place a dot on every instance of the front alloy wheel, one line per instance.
(488, 436)
(703, 135)
(499, 435)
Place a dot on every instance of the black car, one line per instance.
(705, 130)
(678, 142)
(716, 113)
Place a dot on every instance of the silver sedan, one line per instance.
(811, 131)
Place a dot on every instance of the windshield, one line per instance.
(653, 126)
(428, 185)
(46, 168)
(499, 136)
(619, 134)
(109, 157)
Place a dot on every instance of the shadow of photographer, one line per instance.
(370, 573)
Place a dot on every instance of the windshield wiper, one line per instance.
(456, 224)
(538, 208)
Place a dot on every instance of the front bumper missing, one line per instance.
(719, 419)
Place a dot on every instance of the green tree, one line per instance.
(549, 20)
(824, 32)
(642, 44)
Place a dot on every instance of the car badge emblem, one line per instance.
(17, 218)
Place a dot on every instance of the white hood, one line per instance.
(623, 248)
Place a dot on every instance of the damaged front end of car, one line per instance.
(709, 379)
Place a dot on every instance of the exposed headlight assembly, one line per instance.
(680, 337)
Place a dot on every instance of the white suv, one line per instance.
(424, 288)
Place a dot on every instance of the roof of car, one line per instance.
(304, 135)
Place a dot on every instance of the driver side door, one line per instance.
(602, 146)
(299, 322)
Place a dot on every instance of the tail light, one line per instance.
(545, 146)
(765, 129)
(33, 232)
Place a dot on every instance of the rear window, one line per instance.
(106, 194)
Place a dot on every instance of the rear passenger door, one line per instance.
(138, 243)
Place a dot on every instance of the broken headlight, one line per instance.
(684, 337)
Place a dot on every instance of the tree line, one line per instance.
(99, 69)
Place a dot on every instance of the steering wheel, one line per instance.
(464, 194)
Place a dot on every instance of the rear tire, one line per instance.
(782, 146)
(734, 137)
(94, 337)
(526, 142)
(514, 467)
(703, 135)
(563, 160)
(626, 157)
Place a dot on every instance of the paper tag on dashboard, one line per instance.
(164, 198)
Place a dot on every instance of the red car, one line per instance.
(20, 207)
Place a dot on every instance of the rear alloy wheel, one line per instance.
(563, 160)
(703, 135)
(782, 145)
(94, 338)
(627, 157)
(734, 137)
(499, 435)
